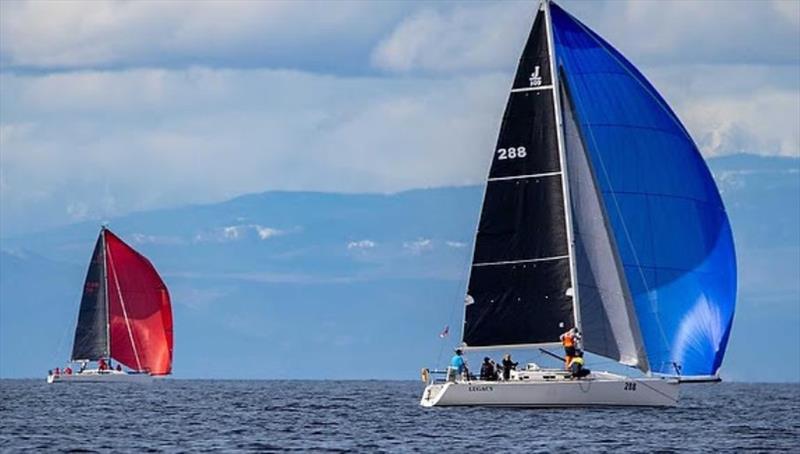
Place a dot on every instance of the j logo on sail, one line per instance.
(535, 78)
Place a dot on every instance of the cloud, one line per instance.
(733, 81)
(723, 118)
(237, 233)
(456, 244)
(490, 36)
(113, 33)
(362, 244)
(418, 246)
(460, 39)
(142, 238)
(154, 137)
(189, 104)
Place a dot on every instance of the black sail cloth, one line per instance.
(91, 334)
(519, 287)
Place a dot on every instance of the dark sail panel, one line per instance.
(534, 65)
(520, 283)
(521, 303)
(527, 141)
(522, 219)
(91, 334)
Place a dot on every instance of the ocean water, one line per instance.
(376, 416)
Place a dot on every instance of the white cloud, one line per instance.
(163, 137)
(106, 33)
(266, 232)
(361, 244)
(456, 244)
(418, 246)
(142, 238)
(236, 233)
(733, 81)
(156, 131)
(77, 211)
(475, 37)
(766, 122)
(725, 118)
(490, 36)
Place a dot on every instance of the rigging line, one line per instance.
(642, 382)
(625, 227)
(124, 312)
(75, 317)
(57, 352)
(461, 278)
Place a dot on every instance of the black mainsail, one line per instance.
(91, 333)
(520, 287)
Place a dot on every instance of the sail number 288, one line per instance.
(512, 153)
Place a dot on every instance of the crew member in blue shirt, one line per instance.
(459, 364)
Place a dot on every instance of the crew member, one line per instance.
(508, 364)
(458, 364)
(569, 341)
(576, 366)
(487, 369)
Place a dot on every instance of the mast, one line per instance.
(563, 161)
(105, 294)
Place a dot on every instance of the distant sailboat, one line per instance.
(125, 315)
(599, 214)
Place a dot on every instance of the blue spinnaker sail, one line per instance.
(669, 223)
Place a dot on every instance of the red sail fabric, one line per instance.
(140, 314)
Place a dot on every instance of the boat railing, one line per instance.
(435, 376)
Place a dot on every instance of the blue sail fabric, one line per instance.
(672, 233)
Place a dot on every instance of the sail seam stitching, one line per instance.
(514, 262)
(524, 89)
(521, 177)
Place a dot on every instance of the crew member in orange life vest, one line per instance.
(569, 340)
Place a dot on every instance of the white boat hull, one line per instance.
(97, 376)
(602, 389)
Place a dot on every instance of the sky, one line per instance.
(109, 107)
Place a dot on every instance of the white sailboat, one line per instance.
(125, 315)
(599, 214)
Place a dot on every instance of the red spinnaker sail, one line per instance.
(139, 310)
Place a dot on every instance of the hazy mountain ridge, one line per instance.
(318, 285)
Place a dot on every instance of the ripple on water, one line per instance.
(264, 416)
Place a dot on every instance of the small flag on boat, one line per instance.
(444, 332)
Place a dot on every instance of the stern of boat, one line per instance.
(433, 393)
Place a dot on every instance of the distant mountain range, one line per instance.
(316, 285)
